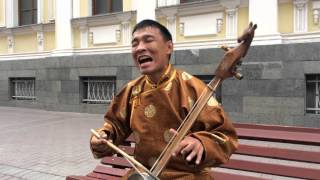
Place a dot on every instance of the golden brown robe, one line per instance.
(149, 110)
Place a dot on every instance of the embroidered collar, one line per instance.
(169, 72)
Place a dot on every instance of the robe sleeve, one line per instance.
(212, 121)
(216, 123)
(117, 122)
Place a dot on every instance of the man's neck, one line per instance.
(155, 78)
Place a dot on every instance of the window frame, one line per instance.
(13, 89)
(33, 10)
(109, 10)
(85, 89)
(315, 81)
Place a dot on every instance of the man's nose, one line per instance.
(141, 47)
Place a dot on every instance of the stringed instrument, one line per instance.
(226, 69)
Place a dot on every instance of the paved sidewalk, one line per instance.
(39, 145)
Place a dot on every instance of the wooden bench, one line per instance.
(265, 152)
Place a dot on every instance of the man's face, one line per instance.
(150, 51)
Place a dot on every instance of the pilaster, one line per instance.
(265, 14)
(300, 15)
(63, 25)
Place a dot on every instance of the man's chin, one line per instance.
(145, 71)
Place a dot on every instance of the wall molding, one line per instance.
(291, 38)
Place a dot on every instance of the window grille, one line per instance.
(23, 88)
(313, 93)
(27, 12)
(206, 79)
(188, 1)
(98, 90)
(106, 6)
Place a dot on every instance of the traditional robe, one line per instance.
(149, 110)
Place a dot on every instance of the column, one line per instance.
(40, 11)
(265, 14)
(145, 9)
(3, 14)
(63, 24)
(51, 10)
(12, 13)
(76, 8)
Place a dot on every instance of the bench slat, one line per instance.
(118, 162)
(279, 136)
(80, 178)
(275, 169)
(104, 172)
(279, 153)
(223, 176)
(102, 176)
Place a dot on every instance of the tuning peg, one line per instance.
(238, 75)
(225, 47)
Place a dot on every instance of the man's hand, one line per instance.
(190, 148)
(99, 144)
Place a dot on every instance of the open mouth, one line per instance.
(144, 59)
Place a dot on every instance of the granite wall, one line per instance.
(272, 91)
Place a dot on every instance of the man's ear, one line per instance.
(170, 47)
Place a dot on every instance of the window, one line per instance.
(187, 1)
(22, 88)
(313, 93)
(206, 79)
(27, 12)
(98, 90)
(106, 6)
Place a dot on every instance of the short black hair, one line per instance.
(151, 23)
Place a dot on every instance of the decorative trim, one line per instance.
(10, 41)
(316, 11)
(291, 38)
(201, 7)
(231, 22)
(104, 19)
(171, 25)
(28, 29)
(126, 32)
(300, 15)
(84, 36)
(40, 41)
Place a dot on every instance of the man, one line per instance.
(154, 105)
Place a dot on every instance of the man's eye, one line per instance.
(149, 39)
(134, 44)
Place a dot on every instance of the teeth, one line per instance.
(143, 59)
